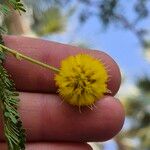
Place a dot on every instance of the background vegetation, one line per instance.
(46, 18)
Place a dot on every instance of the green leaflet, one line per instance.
(2, 54)
(14, 132)
(16, 4)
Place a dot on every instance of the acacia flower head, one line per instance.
(82, 80)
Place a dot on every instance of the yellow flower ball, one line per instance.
(82, 80)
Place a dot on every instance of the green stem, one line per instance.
(22, 56)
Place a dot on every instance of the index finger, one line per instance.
(31, 78)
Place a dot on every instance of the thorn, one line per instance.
(100, 59)
(108, 91)
(109, 76)
(108, 68)
(94, 106)
(80, 109)
(61, 102)
(90, 107)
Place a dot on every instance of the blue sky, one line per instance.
(119, 43)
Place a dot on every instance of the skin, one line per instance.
(49, 122)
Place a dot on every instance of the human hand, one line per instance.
(49, 123)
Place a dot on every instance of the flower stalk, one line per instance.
(21, 56)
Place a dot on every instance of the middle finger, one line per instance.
(45, 118)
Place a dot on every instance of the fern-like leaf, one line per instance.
(13, 130)
(6, 5)
(17, 5)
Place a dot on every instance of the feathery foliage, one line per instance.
(9, 103)
(13, 130)
(7, 5)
